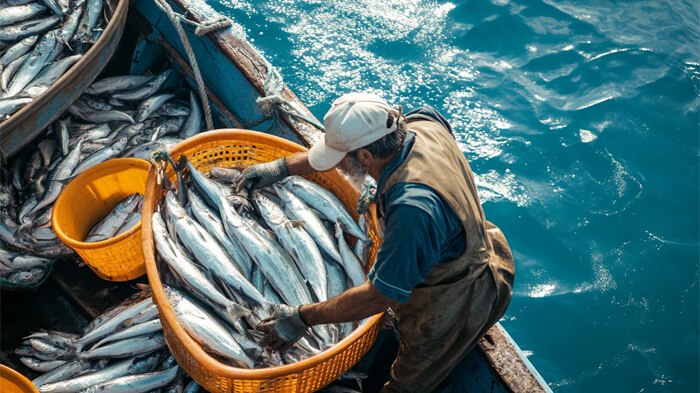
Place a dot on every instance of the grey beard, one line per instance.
(355, 174)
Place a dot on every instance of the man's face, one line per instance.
(354, 171)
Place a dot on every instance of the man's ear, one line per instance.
(364, 156)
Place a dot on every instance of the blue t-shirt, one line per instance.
(421, 230)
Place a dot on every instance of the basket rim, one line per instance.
(14, 377)
(99, 170)
(166, 310)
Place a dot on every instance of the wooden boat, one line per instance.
(235, 76)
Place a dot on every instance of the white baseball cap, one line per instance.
(354, 120)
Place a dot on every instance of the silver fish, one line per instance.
(41, 366)
(17, 50)
(147, 90)
(141, 329)
(126, 348)
(9, 106)
(116, 370)
(352, 265)
(211, 221)
(109, 225)
(9, 72)
(100, 156)
(88, 21)
(118, 83)
(209, 253)
(62, 172)
(268, 255)
(324, 201)
(63, 372)
(20, 13)
(206, 330)
(25, 29)
(298, 243)
(113, 324)
(297, 209)
(135, 383)
(149, 105)
(70, 25)
(199, 281)
(32, 65)
(193, 125)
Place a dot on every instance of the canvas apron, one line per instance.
(460, 300)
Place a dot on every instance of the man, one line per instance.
(444, 270)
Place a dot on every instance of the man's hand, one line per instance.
(262, 175)
(284, 328)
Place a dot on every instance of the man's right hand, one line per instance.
(262, 175)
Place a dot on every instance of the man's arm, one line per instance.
(298, 164)
(352, 305)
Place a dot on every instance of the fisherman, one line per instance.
(444, 270)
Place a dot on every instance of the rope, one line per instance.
(273, 102)
(203, 28)
(176, 19)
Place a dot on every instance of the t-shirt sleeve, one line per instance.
(412, 245)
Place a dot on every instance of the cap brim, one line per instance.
(323, 158)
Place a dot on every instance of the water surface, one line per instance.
(580, 121)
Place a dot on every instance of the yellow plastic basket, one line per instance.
(13, 382)
(86, 200)
(240, 148)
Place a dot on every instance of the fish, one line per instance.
(352, 265)
(139, 383)
(199, 281)
(27, 28)
(20, 13)
(151, 104)
(126, 348)
(100, 156)
(298, 243)
(146, 90)
(212, 222)
(210, 254)
(193, 125)
(17, 50)
(298, 210)
(32, 65)
(206, 330)
(61, 172)
(115, 370)
(108, 226)
(324, 201)
(115, 84)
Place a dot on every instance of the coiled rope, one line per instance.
(201, 29)
(273, 102)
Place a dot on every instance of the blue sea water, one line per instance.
(581, 123)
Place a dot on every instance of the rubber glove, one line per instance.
(284, 328)
(262, 175)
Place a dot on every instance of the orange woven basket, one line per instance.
(86, 200)
(240, 148)
(13, 382)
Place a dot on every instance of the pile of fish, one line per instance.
(121, 116)
(39, 41)
(122, 350)
(121, 218)
(18, 270)
(234, 258)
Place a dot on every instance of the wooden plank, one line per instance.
(509, 363)
(25, 125)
